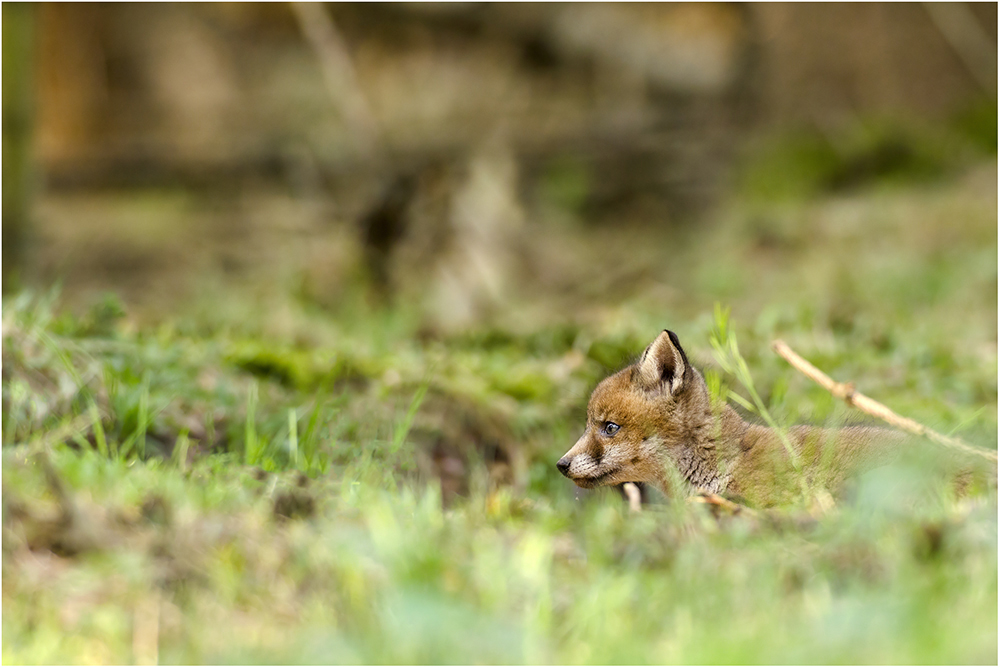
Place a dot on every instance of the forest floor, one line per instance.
(252, 477)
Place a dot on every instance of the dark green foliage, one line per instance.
(880, 151)
(978, 124)
(615, 354)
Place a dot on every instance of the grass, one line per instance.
(205, 490)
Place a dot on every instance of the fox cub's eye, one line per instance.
(610, 428)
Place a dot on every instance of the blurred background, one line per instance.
(538, 187)
(444, 151)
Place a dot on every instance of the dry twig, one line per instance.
(719, 505)
(79, 426)
(338, 71)
(846, 392)
(962, 31)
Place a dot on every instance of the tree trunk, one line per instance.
(18, 112)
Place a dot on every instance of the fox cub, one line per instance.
(657, 413)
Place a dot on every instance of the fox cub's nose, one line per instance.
(563, 465)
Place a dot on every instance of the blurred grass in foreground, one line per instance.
(203, 563)
(291, 485)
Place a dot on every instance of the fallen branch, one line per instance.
(963, 32)
(79, 426)
(718, 505)
(338, 70)
(847, 393)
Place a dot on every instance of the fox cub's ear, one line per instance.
(663, 365)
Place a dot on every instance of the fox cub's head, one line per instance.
(636, 418)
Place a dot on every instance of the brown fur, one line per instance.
(666, 419)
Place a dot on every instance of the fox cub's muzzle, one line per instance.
(586, 465)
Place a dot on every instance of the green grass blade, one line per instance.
(180, 453)
(293, 438)
(98, 427)
(143, 417)
(403, 429)
(250, 438)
